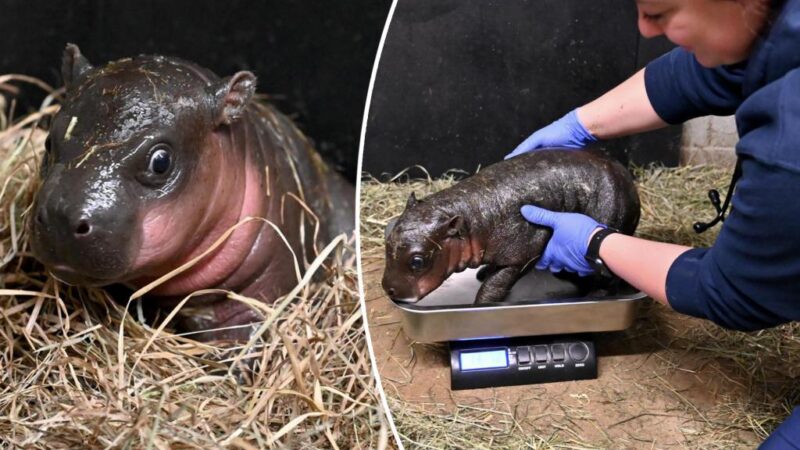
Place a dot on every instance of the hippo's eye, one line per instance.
(160, 161)
(417, 263)
(46, 157)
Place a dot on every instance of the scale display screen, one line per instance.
(484, 359)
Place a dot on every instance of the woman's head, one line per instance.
(716, 31)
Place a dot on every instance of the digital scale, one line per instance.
(540, 334)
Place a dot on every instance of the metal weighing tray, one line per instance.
(539, 304)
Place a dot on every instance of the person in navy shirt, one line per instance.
(737, 57)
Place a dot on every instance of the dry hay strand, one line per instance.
(467, 427)
(764, 363)
(77, 370)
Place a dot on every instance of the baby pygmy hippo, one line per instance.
(478, 222)
(151, 159)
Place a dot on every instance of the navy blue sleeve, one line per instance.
(750, 278)
(786, 436)
(679, 88)
(769, 123)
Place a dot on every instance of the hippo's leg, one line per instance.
(226, 321)
(497, 285)
(585, 284)
(603, 286)
(594, 285)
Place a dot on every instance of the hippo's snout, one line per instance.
(399, 292)
(57, 217)
(82, 239)
(389, 288)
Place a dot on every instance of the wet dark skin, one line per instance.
(151, 159)
(477, 221)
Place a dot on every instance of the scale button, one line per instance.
(540, 353)
(578, 352)
(523, 355)
(558, 352)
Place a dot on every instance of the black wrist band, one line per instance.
(593, 251)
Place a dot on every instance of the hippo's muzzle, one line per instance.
(400, 292)
(82, 235)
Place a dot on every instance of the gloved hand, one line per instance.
(567, 131)
(567, 248)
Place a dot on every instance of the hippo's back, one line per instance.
(563, 180)
(326, 192)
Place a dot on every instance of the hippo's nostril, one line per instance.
(391, 292)
(83, 228)
(40, 217)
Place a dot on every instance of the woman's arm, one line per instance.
(670, 90)
(643, 264)
(623, 110)
(749, 279)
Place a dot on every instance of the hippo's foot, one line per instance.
(605, 286)
(598, 293)
(497, 285)
(484, 272)
(594, 286)
(229, 322)
(585, 284)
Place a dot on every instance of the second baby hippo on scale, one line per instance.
(478, 222)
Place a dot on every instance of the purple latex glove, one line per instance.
(567, 248)
(567, 131)
(786, 436)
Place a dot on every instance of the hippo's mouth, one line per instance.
(70, 276)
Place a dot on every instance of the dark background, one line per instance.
(314, 57)
(462, 82)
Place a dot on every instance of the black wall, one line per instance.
(462, 82)
(314, 56)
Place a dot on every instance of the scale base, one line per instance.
(522, 360)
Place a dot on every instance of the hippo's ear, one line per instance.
(455, 226)
(232, 96)
(73, 66)
(412, 201)
(389, 228)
